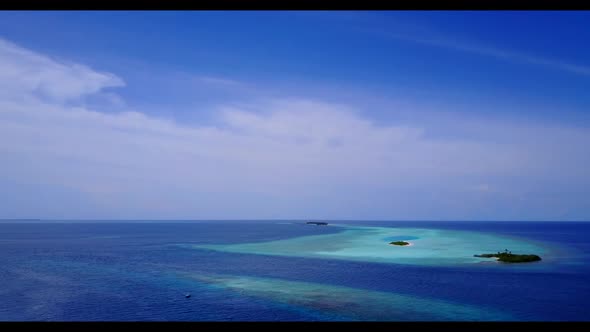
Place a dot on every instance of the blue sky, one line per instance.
(284, 115)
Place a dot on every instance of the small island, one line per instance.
(509, 257)
(399, 243)
(317, 223)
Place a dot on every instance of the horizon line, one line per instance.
(264, 220)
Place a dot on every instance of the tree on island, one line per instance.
(508, 257)
(400, 243)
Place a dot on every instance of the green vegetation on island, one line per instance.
(399, 243)
(509, 257)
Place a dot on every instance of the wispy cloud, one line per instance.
(272, 158)
(418, 32)
(427, 35)
(503, 54)
(219, 81)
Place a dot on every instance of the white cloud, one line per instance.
(279, 158)
(25, 72)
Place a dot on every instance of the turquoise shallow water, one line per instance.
(371, 244)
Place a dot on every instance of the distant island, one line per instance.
(509, 257)
(317, 223)
(21, 219)
(399, 243)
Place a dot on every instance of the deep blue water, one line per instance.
(121, 271)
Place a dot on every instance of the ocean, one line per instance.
(289, 271)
